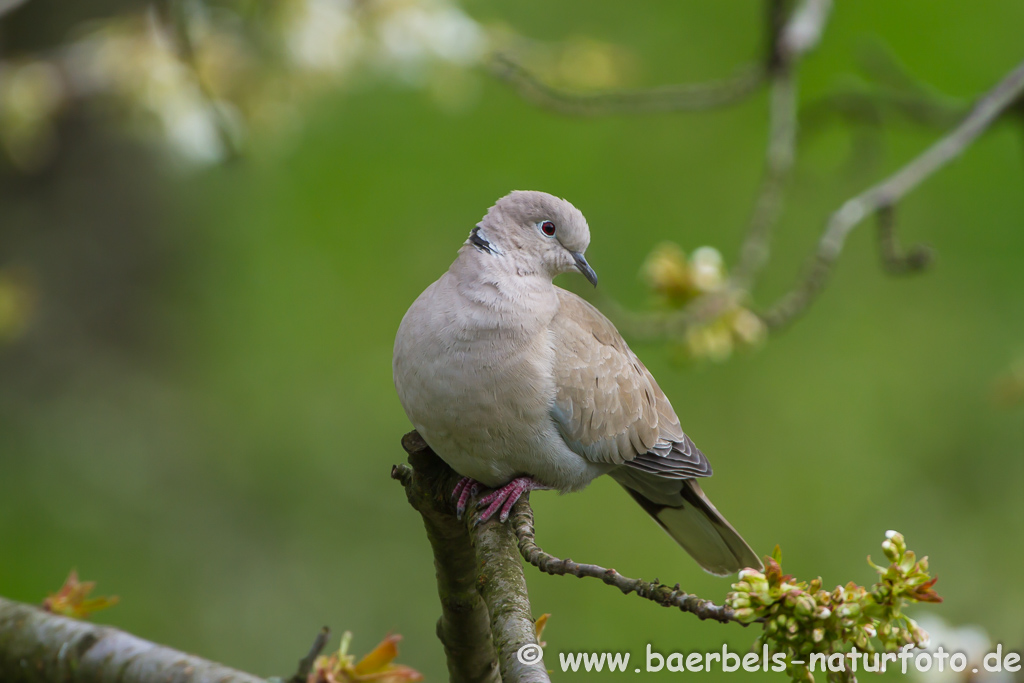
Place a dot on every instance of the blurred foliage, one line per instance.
(195, 388)
(208, 76)
(72, 600)
(378, 665)
(677, 281)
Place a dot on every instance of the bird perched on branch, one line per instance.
(520, 385)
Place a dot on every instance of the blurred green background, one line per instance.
(197, 410)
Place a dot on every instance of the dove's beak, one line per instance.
(584, 267)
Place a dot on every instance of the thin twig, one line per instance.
(895, 260)
(667, 596)
(799, 34)
(755, 251)
(889, 192)
(869, 107)
(684, 97)
(306, 663)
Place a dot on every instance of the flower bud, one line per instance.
(707, 269)
(805, 606)
(744, 615)
(850, 609)
(739, 603)
(889, 548)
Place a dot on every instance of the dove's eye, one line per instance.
(548, 228)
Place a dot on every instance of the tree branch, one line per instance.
(306, 663)
(464, 626)
(485, 605)
(40, 647)
(890, 191)
(682, 97)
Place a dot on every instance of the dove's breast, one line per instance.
(475, 378)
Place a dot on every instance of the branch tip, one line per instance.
(306, 663)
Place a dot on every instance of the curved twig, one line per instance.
(895, 259)
(667, 596)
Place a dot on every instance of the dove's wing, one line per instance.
(608, 407)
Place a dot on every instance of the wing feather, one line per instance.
(608, 407)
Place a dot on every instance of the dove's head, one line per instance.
(537, 231)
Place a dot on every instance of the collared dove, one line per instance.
(520, 385)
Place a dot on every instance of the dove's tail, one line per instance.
(682, 509)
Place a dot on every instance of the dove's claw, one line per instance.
(502, 499)
(462, 492)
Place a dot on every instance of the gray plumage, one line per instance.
(506, 375)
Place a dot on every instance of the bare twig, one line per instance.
(306, 663)
(685, 97)
(667, 596)
(895, 260)
(870, 107)
(889, 192)
(781, 152)
(41, 647)
(797, 35)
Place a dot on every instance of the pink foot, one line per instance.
(461, 493)
(505, 497)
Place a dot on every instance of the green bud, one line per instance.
(891, 551)
(744, 615)
(850, 609)
(805, 606)
(897, 539)
(748, 574)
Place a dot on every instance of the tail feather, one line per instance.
(682, 509)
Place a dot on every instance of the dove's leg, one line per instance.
(505, 497)
(462, 492)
